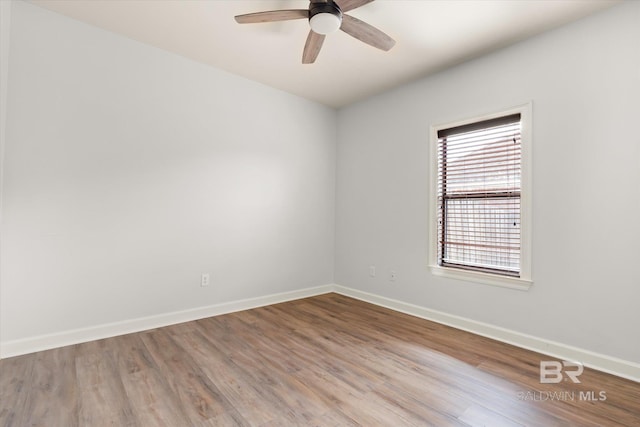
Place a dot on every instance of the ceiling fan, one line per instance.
(325, 17)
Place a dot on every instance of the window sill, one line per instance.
(483, 278)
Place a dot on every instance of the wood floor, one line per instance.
(322, 361)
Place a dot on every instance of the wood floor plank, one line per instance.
(102, 397)
(327, 360)
(151, 399)
(53, 381)
(479, 416)
(15, 374)
(286, 396)
(199, 397)
(247, 397)
(49, 388)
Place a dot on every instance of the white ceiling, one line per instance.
(430, 36)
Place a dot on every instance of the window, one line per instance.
(481, 194)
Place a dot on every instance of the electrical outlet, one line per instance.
(372, 271)
(392, 275)
(204, 281)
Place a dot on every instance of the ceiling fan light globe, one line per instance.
(325, 23)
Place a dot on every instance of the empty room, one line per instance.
(326, 213)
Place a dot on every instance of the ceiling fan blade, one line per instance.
(272, 16)
(312, 47)
(366, 33)
(347, 5)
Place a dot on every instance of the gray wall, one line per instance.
(129, 171)
(584, 81)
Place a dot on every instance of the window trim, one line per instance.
(524, 281)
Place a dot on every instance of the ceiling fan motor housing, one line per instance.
(325, 18)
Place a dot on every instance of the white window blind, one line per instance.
(478, 196)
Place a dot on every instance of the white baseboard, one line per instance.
(77, 336)
(601, 362)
